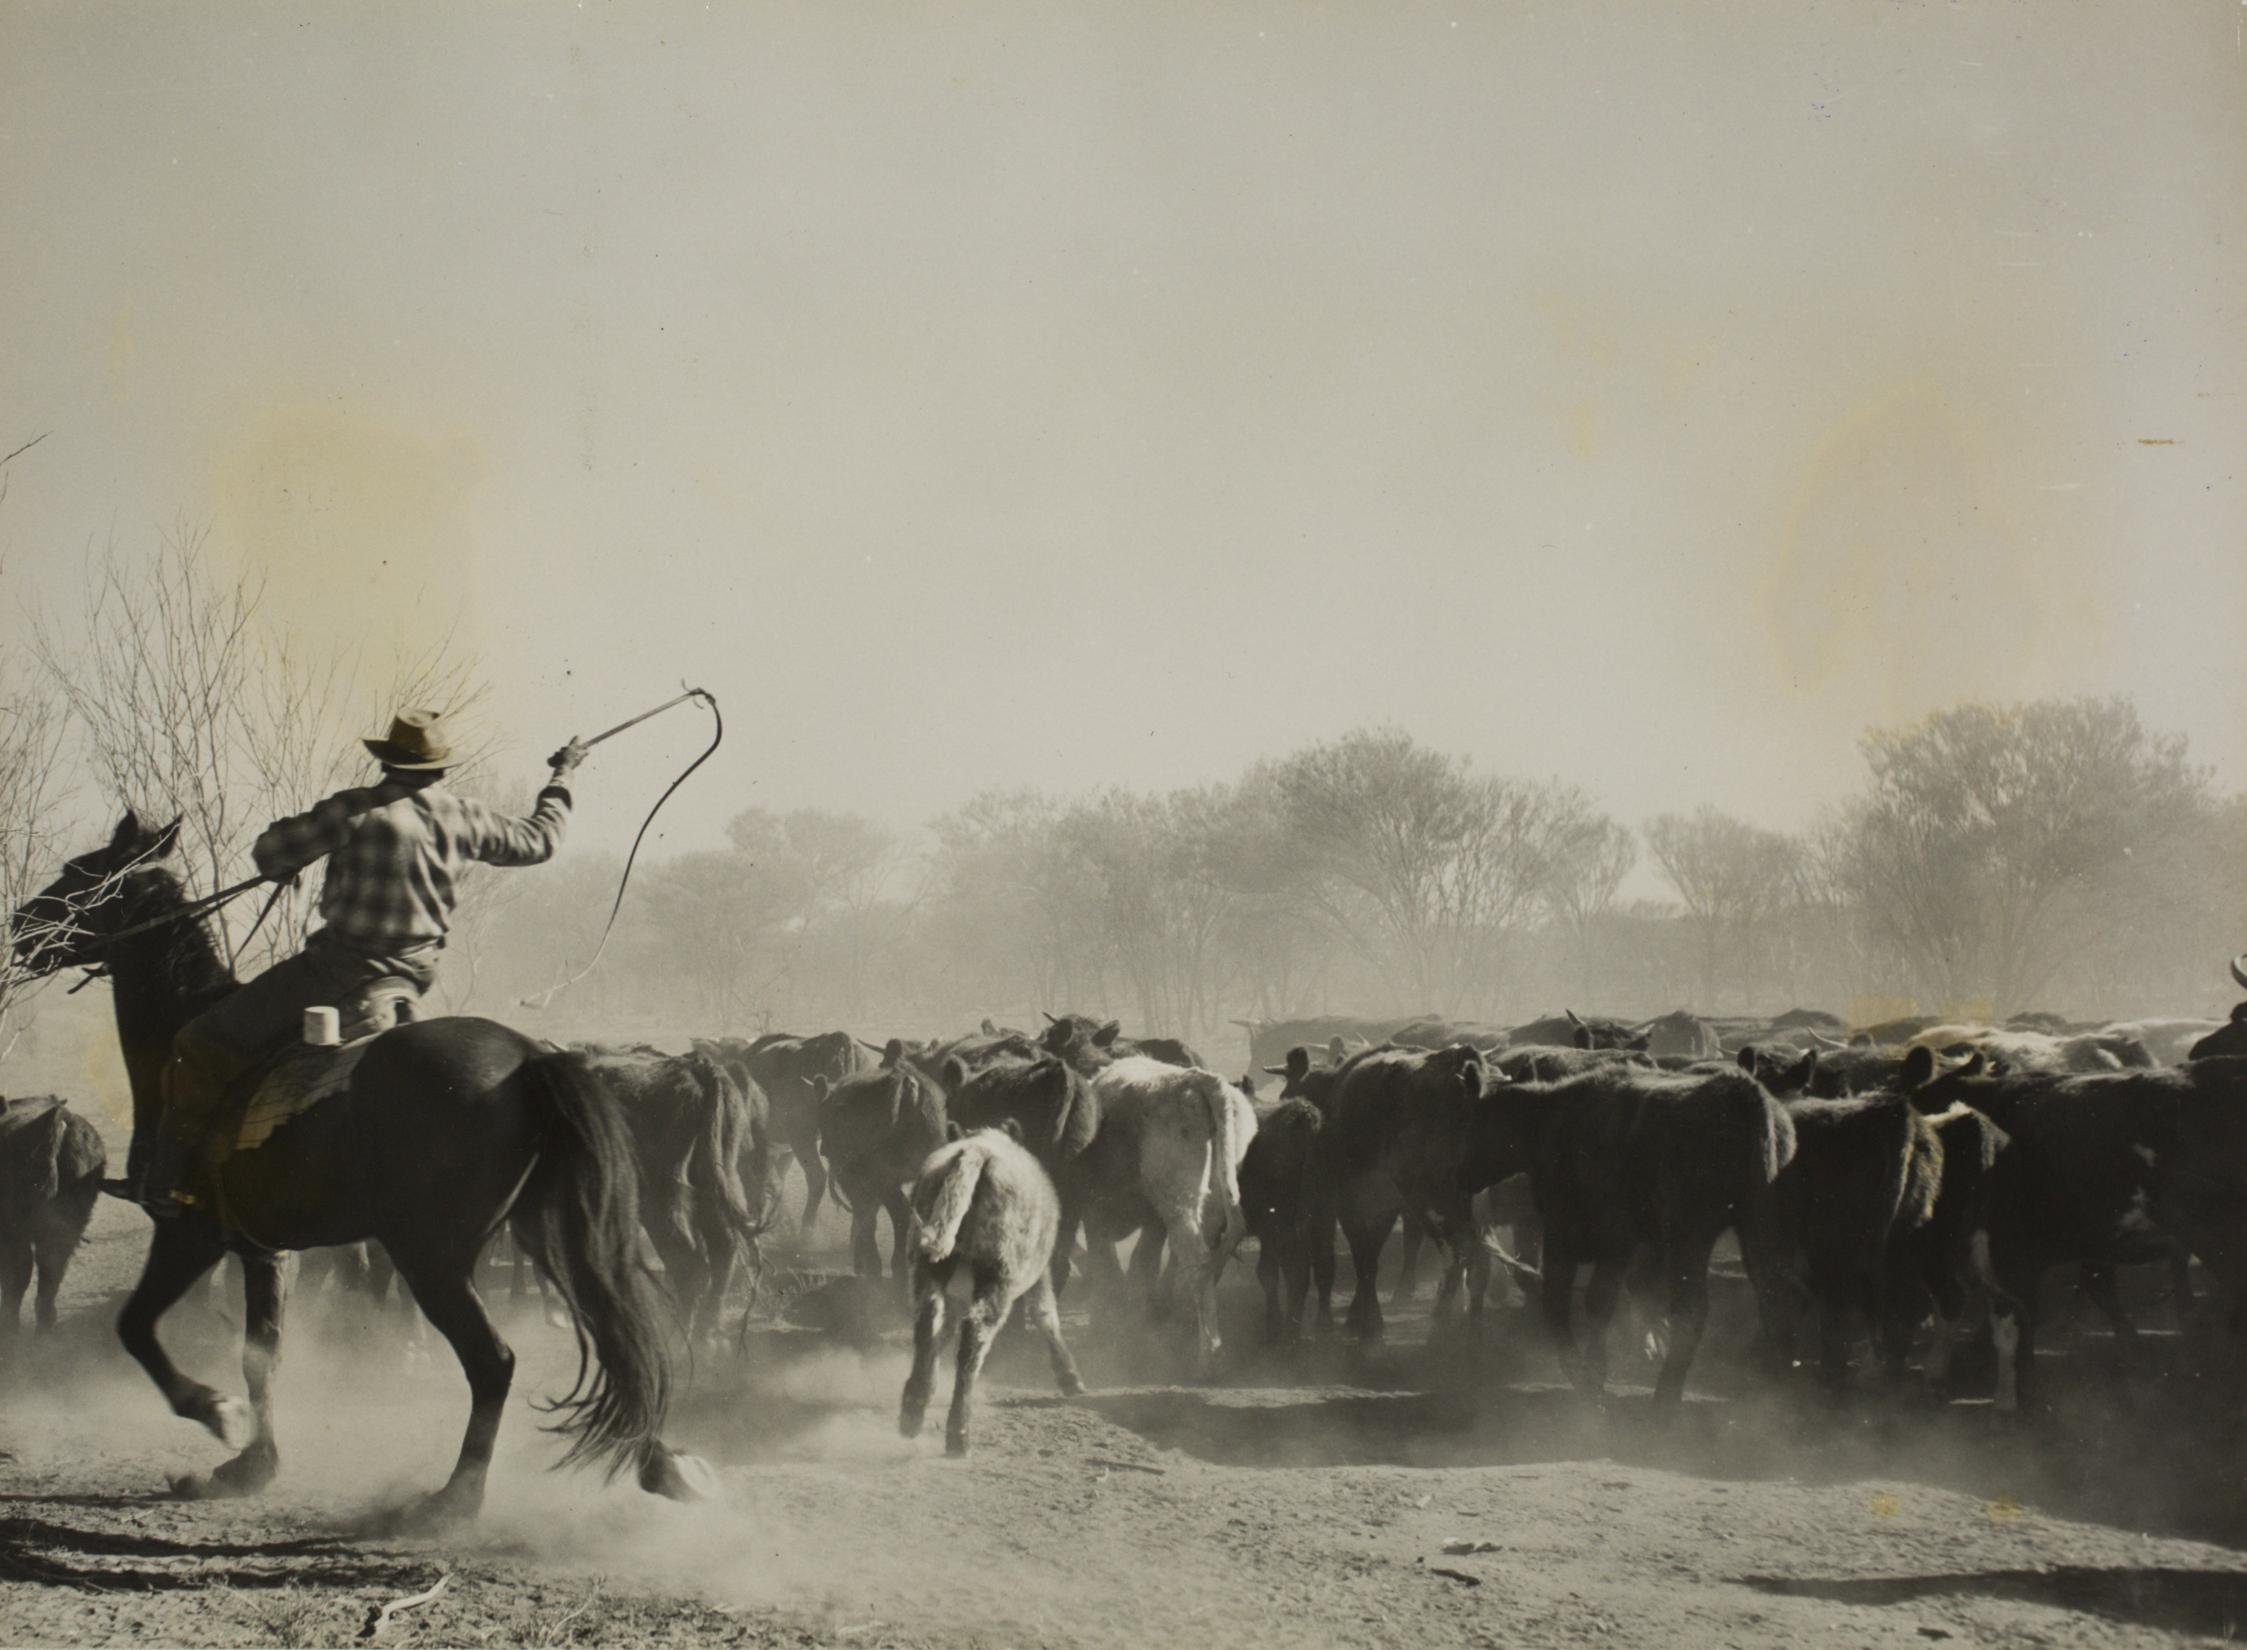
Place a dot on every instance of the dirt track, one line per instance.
(1304, 1503)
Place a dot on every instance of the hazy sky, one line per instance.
(1652, 396)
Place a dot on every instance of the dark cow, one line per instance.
(2228, 1044)
(1809, 1019)
(1058, 1118)
(691, 1130)
(1621, 1161)
(876, 1130)
(1864, 1173)
(1294, 1230)
(1822, 1073)
(2231, 1042)
(1892, 1033)
(784, 1066)
(2052, 1025)
(1318, 1085)
(1384, 1156)
(1549, 1063)
(1946, 1263)
(1269, 1040)
(1065, 1033)
(1568, 1029)
(51, 1163)
(2121, 1168)
(974, 1051)
(1681, 1034)
(1431, 1032)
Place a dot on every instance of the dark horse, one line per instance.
(448, 1129)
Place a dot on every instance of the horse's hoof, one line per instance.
(955, 1446)
(431, 1514)
(246, 1474)
(1071, 1388)
(232, 1422)
(678, 1476)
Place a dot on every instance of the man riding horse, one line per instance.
(395, 853)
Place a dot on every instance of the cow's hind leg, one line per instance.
(900, 1208)
(1408, 1273)
(1147, 1272)
(1366, 1238)
(182, 1250)
(1600, 1296)
(928, 1336)
(1194, 1276)
(15, 1278)
(1687, 1264)
(1040, 1309)
(683, 1268)
(1322, 1265)
(815, 1181)
(865, 1238)
(1268, 1276)
(1557, 1298)
(720, 1249)
(979, 1325)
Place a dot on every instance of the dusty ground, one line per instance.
(1296, 1503)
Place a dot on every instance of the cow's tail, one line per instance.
(69, 1160)
(1227, 1146)
(941, 1200)
(1778, 1134)
(717, 1167)
(1921, 1170)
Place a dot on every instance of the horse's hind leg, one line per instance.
(448, 1299)
(265, 1294)
(182, 1251)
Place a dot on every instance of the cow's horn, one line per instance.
(878, 1048)
(2239, 969)
(1051, 1019)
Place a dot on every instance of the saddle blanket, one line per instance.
(297, 1081)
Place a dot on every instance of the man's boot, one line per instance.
(179, 1132)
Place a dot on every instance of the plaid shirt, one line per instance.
(394, 852)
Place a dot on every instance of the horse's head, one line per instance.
(62, 926)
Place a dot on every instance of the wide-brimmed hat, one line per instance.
(417, 740)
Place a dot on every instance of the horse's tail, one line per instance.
(579, 1217)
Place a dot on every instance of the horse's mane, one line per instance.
(192, 966)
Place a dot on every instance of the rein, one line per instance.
(193, 908)
(717, 738)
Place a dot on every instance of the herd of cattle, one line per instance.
(1911, 1177)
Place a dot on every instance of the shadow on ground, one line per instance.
(2207, 1602)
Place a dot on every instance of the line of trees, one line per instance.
(2053, 855)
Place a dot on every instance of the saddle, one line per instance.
(292, 1077)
